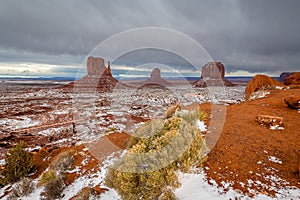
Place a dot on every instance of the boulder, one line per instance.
(260, 82)
(293, 79)
(156, 79)
(293, 102)
(270, 121)
(213, 74)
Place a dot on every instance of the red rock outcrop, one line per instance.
(293, 102)
(156, 79)
(268, 120)
(260, 82)
(99, 77)
(213, 74)
(293, 79)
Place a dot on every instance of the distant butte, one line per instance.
(99, 77)
(156, 79)
(213, 74)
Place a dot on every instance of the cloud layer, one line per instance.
(254, 36)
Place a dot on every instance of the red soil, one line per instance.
(242, 151)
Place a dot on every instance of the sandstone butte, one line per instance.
(98, 78)
(213, 74)
(260, 82)
(156, 79)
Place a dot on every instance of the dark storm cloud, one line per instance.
(257, 36)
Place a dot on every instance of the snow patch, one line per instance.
(274, 159)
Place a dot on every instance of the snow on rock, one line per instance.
(274, 159)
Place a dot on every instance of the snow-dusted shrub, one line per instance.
(135, 178)
(18, 163)
(54, 188)
(23, 188)
(62, 162)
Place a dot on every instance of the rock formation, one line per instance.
(156, 79)
(293, 79)
(293, 102)
(98, 76)
(260, 82)
(284, 75)
(270, 121)
(213, 74)
(96, 67)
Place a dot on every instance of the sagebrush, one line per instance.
(159, 149)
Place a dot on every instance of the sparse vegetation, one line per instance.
(158, 150)
(62, 162)
(54, 188)
(23, 188)
(54, 178)
(18, 163)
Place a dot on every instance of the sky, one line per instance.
(53, 38)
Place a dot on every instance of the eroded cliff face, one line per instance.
(98, 78)
(96, 67)
(213, 74)
(213, 70)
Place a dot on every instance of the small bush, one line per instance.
(47, 177)
(18, 163)
(23, 188)
(62, 162)
(54, 188)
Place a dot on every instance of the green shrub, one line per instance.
(47, 177)
(18, 163)
(156, 152)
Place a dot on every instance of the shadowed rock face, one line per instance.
(284, 75)
(156, 79)
(213, 74)
(293, 79)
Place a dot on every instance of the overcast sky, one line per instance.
(52, 38)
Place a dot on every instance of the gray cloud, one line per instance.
(257, 36)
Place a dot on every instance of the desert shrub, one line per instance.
(18, 163)
(47, 177)
(62, 162)
(148, 169)
(53, 188)
(23, 188)
(85, 193)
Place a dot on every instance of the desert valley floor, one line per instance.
(248, 160)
